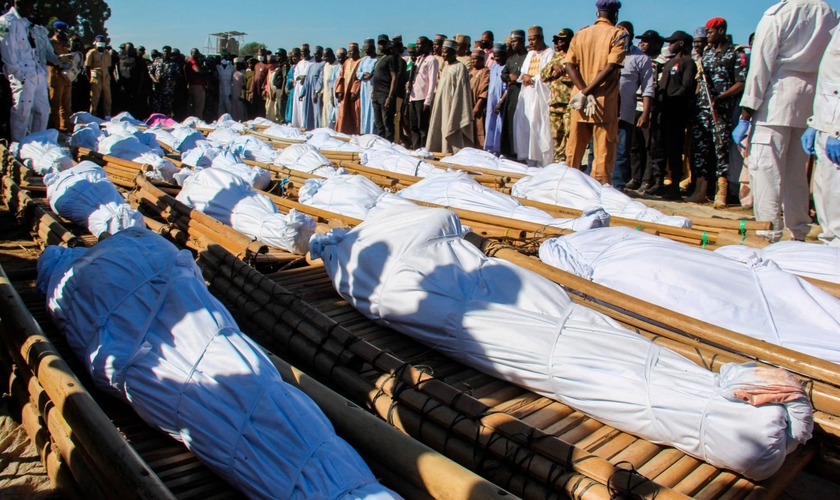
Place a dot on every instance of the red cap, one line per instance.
(715, 23)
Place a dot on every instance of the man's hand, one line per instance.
(740, 133)
(577, 101)
(339, 96)
(301, 98)
(832, 149)
(558, 70)
(387, 102)
(354, 96)
(808, 139)
(366, 76)
(591, 106)
(315, 98)
(498, 108)
(514, 78)
(427, 108)
(527, 80)
(644, 121)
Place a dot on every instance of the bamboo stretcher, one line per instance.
(566, 452)
(58, 409)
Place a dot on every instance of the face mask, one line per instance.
(261, 59)
(224, 62)
(100, 46)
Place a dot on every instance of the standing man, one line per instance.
(437, 51)
(397, 49)
(279, 83)
(257, 84)
(301, 72)
(27, 78)
(554, 74)
(164, 73)
(294, 58)
(479, 85)
(312, 85)
(237, 104)
(778, 97)
(364, 74)
(451, 124)
(196, 78)
(60, 85)
(532, 128)
(646, 141)
(594, 63)
(677, 87)
(80, 94)
(701, 41)
(636, 76)
(510, 74)
(98, 64)
(823, 139)
(226, 95)
(385, 80)
(464, 48)
(422, 83)
(496, 93)
(347, 93)
(270, 91)
(724, 69)
(487, 41)
(327, 91)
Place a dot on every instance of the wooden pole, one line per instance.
(422, 467)
(85, 420)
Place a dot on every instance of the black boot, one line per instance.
(657, 189)
(632, 185)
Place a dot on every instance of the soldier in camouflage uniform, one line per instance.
(554, 73)
(724, 70)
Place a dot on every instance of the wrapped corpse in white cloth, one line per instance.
(139, 147)
(138, 315)
(409, 268)
(821, 262)
(471, 157)
(559, 184)
(228, 198)
(351, 195)
(458, 190)
(85, 196)
(40, 152)
(399, 163)
(754, 297)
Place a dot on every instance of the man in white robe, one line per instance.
(301, 69)
(533, 139)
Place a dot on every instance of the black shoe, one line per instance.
(657, 189)
(645, 187)
(632, 185)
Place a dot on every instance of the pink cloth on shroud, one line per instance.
(160, 119)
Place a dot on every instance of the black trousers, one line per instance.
(673, 140)
(419, 120)
(383, 117)
(639, 152)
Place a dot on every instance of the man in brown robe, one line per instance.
(464, 48)
(257, 85)
(451, 125)
(347, 92)
(479, 84)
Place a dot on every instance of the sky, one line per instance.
(331, 23)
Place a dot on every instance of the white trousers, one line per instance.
(30, 106)
(778, 180)
(827, 194)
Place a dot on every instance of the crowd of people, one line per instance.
(667, 117)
